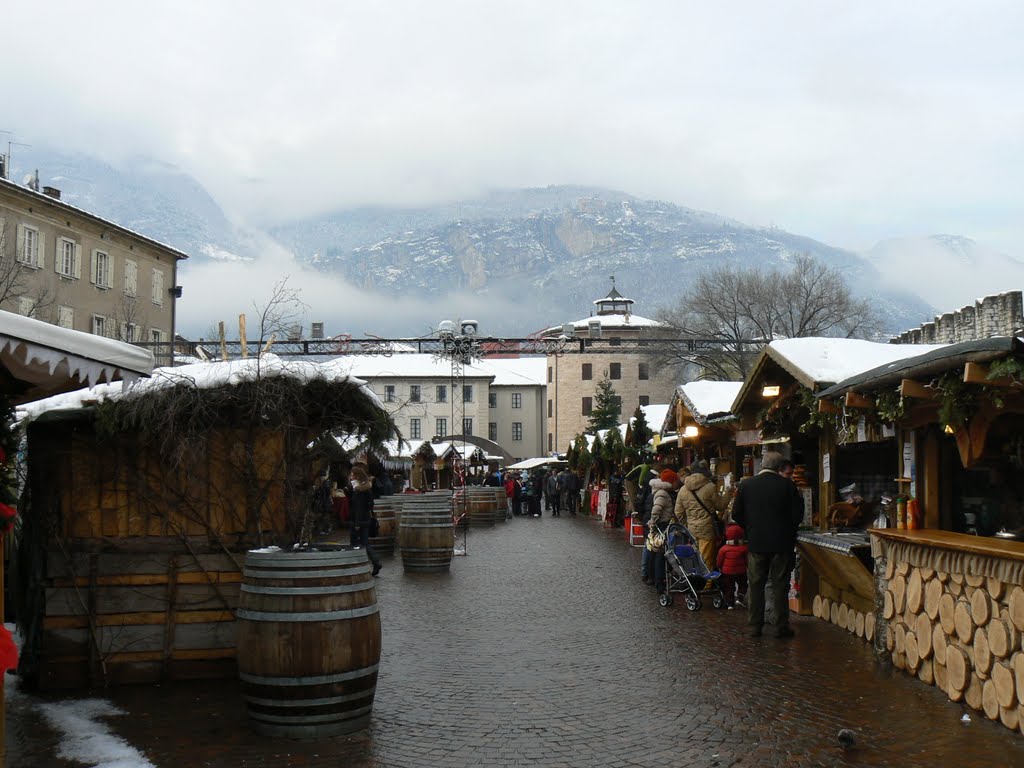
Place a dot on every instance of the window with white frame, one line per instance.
(65, 317)
(156, 335)
(492, 399)
(492, 431)
(158, 287)
(467, 426)
(67, 257)
(517, 399)
(441, 427)
(414, 429)
(101, 269)
(441, 393)
(131, 278)
(414, 393)
(389, 393)
(99, 325)
(26, 306)
(28, 246)
(130, 332)
(467, 393)
(517, 430)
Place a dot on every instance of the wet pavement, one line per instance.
(543, 648)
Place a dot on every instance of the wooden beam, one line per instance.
(977, 373)
(827, 406)
(917, 390)
(853, 400)
(241, 336)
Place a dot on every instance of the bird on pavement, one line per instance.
(847, 739)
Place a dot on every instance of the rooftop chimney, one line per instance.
(52, 192)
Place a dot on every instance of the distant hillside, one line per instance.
(965, 270)
(151, 198)
(556, 247)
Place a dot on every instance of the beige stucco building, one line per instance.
(68, 267)
(572, 378)
(498, 399)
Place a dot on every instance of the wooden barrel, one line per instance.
(385, 508)
(480, 506)
(308, 641)
(426, 536)
(500, 504)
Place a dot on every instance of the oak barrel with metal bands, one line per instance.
(385, 509)
(500, 504)
(308, 641)
(480, 506)
(426, 536)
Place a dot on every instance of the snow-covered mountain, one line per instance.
(530, 257)
(556, 248)
(958, 269)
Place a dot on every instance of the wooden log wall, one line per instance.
(118, 618)
(961, 633)
(845, 609)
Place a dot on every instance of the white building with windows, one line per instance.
(498, 399)
(65, 266)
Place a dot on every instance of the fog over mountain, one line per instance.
(516, 260)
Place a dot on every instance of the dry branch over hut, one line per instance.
(143, 502)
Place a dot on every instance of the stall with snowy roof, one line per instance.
(777, 410)
(144, 501)
(704, 427)
(37, 360)
(949, 556)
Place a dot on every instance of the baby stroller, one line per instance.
(686, 573)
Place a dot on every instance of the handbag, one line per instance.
(374, 526)
(656, 539)
(718, 522)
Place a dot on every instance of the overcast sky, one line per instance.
(848, 122)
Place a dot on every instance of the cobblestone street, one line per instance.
(543, 648)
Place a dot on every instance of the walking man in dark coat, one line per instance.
(770, 508)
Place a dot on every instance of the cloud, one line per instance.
(848, 123)
(222, 290)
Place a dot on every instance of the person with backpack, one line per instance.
(732, 562)
(701, 508)
(664, 488)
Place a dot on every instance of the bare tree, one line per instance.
(282, 312)
(733, 304)
(16, 281)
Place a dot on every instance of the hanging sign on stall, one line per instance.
(862, 430)
(908, 460)
(826, 468)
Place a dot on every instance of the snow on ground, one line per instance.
(85, 739)
(81, 736)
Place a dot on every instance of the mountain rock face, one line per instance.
(558, 253)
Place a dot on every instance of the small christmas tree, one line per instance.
(607, 407)
(614, 448)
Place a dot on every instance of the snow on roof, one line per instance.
(45, 355)
(654, 415)
(200, 376)
(94, 217)
(537, 462)
(522, 371)
(830, 360)
(705, 399)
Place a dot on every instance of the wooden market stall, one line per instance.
(144, 502)
(949, 567)
(38, 360)
(777, 409)
(704, 426)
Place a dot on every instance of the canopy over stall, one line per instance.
(538, 462)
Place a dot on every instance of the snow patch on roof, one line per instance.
(705, 399)
(832, 360)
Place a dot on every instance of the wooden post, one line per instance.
(223, 344)
(241, 336)
(929, 488)
(270, 341)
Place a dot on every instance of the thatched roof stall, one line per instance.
(143, 503)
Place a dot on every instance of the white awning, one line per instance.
(532, 463)
(46, 359)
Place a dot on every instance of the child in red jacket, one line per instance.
(732, 563)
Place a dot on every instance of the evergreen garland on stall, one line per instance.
(9, 437)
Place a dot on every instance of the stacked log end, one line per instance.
(960, 632)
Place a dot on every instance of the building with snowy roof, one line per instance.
(501, 400)
(71, 268)
(572, 379)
